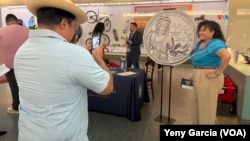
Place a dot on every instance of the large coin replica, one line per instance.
(169, 37)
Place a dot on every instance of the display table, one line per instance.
(240, 75)
(116, 52)
(129, 94)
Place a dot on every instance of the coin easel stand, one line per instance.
(161, 118)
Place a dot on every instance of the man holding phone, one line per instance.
(53, 75)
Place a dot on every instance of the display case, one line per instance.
(239, 73)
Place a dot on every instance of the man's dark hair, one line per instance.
(10, 17)
(52, 16)
(134, 23)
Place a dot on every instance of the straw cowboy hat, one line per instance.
(67, 5)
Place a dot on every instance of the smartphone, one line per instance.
(96, 40)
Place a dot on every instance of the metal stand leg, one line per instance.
(160, 118)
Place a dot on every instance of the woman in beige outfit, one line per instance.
(209, 59)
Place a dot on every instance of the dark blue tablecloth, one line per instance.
(130, 93)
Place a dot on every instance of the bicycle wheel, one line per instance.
(107, 24)
(106, 38)
(92, 16)
(88, 41)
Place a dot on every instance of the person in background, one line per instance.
(11, 38)
(54, 74)
(20, 22)
(133, 49)
(77, 35)
(99, 28)
(209, 59)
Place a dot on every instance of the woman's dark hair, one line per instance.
(99, 28)
(212, 26)
(77, 35)
(20, 22)
(52, 16)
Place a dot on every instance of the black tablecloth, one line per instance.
(130, 93)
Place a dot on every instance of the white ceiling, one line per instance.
(22, 2)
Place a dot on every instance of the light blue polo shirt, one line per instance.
(53, 76)
(206, 56)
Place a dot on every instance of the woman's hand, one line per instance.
(211, 75)
(190, 77)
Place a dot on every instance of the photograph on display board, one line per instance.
(197, 11)
(168, 41)
(169, 37)
(142, 14)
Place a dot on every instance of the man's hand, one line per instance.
(88, 47)
(98, 53)
(127, 41)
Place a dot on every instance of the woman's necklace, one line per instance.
(203, 45)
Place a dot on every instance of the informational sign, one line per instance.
(169, 37)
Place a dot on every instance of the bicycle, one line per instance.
(104, 36)
(94, 17)
(200, 18)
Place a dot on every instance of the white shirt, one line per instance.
(53, 76)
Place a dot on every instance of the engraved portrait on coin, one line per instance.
(169, 37)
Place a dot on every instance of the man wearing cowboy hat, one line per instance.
(53, 75)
